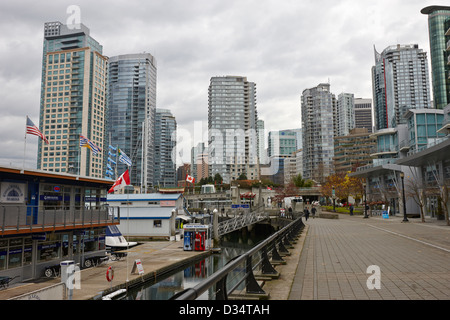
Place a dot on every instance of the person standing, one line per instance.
(306, 212)
(351, 209)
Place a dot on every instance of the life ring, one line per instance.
(110, 274)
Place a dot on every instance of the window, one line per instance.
(157, 223)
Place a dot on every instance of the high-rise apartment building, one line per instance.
(131, 116)
(345, 113)
(283, 142)
(165, 172)
(318, 107)
(232, 134)
(262, 153)
(363, 114)
(439, 34)
(199, 153)
(73, 100)
(353, 150)
(400, 82)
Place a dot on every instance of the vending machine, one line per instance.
(188, 240)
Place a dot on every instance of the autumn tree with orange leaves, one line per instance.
(344, 186)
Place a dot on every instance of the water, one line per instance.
(232, 245)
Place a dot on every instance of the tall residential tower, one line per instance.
(439, 34)
(73, 100)
(400, 82)
(232, 130)
(318, 107)
(165, 171)
(131, 117)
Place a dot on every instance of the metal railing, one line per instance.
(241, 221)
(276, 246)
(35, 218)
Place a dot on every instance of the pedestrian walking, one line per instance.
(290, 212)
(351, 209)
(306, 212)
(313, 212)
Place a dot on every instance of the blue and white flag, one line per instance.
(124, 158)
(85, 142)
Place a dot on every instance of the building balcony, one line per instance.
(24, 219)
(404, 146)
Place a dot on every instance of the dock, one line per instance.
(158, 258)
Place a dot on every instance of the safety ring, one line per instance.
(110, 274)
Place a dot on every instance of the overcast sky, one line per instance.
(283, 46)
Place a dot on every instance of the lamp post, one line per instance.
(365, 201)
(402, 176)
(333, 192)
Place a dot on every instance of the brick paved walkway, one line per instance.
(414, 260)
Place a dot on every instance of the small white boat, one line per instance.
(115, 239)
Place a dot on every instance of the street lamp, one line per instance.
(365, 201)
(333, 192)
(402, 176)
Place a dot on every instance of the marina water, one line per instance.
(232, 245)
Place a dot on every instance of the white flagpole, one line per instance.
(25, 144)
(128, 231)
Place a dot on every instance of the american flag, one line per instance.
(85, 142)
(32, 129)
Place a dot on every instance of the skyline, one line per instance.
(284, 48)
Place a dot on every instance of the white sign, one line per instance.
(138, 266)
(12, 192)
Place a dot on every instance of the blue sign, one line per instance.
(39, 236)
(51, 198)
(245, 206)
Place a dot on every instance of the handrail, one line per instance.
(241, 221)
(17, 218)
(219, 278)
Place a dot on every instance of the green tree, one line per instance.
(299, 182)
(243, 176)
(218, 178)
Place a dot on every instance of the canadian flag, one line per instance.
(190, 179)
(124, 180)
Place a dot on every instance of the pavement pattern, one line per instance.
(413, 260)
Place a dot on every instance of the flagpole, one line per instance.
(25, 144)
(79, 156)
(128, 230)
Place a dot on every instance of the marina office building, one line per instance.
(46, 218)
